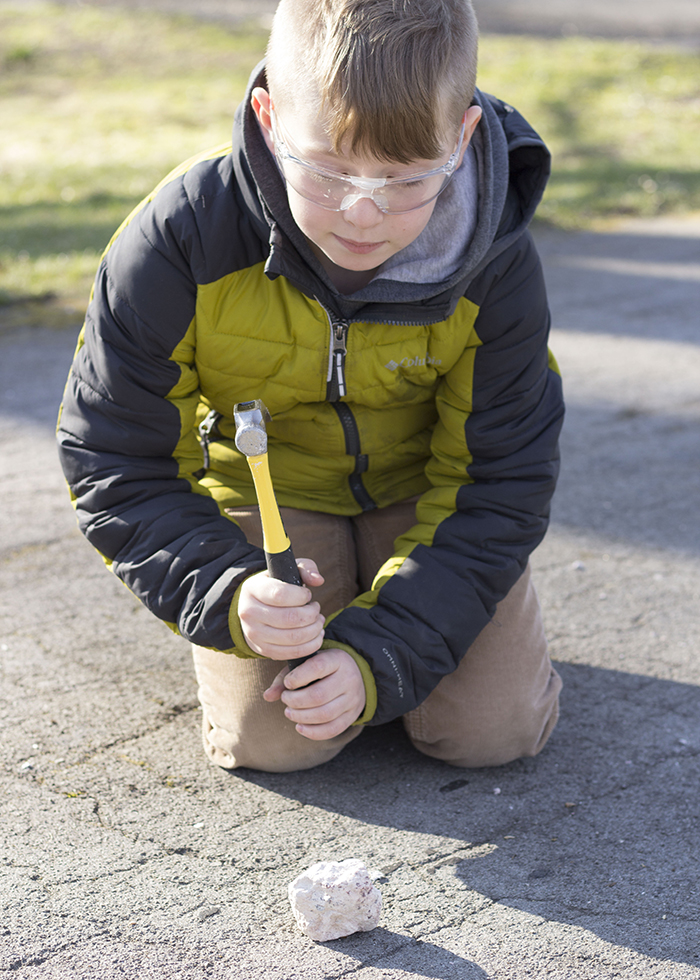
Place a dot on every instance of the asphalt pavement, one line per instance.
(127, 856)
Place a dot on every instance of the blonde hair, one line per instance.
(394, 77)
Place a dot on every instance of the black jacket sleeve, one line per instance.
(126, 432)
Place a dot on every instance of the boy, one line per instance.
(360, 262)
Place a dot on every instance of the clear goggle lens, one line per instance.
(341, 193)
(337, 192)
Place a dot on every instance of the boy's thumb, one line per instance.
(309, 572)
(274, 691)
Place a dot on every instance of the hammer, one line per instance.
(251, 440)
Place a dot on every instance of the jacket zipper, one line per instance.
(336, 358)
(335, 390)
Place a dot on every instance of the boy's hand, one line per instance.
(278, 620)
(333, 700)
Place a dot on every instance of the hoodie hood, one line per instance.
(441, 248)
(488, 205)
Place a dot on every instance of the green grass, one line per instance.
(101, 104)
(621, 118)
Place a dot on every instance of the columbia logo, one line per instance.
(408, 362)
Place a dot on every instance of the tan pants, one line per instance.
(500, 704)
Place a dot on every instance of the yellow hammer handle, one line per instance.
(275, 538)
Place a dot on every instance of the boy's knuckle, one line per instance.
(315, 699)
(294, 617)
(275, 593)
(325, 714)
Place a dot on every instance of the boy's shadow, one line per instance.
(599, 832)
(415, 958)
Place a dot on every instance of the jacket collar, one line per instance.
(513, 166)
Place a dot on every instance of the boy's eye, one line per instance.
(314, 177)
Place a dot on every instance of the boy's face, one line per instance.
(361, 237)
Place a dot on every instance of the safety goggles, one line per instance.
(338, 192)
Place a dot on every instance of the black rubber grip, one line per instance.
(283, 567)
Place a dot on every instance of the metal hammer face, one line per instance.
(251, 435)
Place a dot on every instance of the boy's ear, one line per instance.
(471, 121)
(260, 102)
(471, 118)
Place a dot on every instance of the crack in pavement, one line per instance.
(20, 961)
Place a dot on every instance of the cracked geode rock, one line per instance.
(335, 898)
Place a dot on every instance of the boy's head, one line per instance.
(378, 92)
(392, 78)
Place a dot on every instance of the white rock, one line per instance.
(335, 898)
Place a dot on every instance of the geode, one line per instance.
(335, 898)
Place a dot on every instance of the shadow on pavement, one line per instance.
(421, 960)
(599, 831)
(627, 284)
(630, 475)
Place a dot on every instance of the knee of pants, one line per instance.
(240, 728)
(474, 741)
(283, 750)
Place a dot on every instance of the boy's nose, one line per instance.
(363, 213)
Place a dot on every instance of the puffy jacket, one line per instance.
(208, 295)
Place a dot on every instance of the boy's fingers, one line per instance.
(318, 714)
(272, 592)
(294, 617)
(325, 664)
(315, 695)
(306, 673)
(277, 687)
(268, 635)
(276, 593)
(320, 732)
(274, 651)
(259, 614)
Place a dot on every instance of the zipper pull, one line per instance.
(208, 431)
(336, 367)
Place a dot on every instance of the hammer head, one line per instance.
(251, 435)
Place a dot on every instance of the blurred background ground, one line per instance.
(101, 99)
(676, 19)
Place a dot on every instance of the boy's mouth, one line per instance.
(359, 248)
